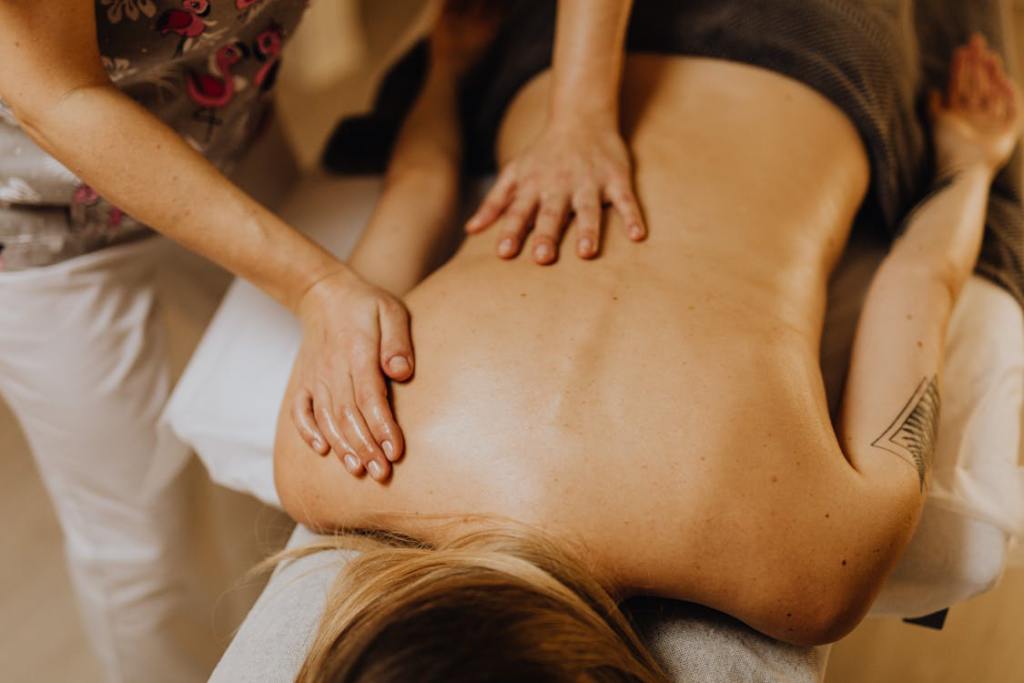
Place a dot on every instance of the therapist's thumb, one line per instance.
(395, 343)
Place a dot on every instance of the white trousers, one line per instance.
(84, 367)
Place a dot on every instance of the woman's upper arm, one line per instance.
(48, 48)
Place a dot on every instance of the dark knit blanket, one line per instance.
(875, 59)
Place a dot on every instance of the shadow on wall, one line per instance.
(332, 64)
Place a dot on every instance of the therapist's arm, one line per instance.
(412, 224)
(579, 161)
(411, 227)
(52, 77)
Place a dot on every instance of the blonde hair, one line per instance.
(486, 606)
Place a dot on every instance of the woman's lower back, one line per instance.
(662, 404)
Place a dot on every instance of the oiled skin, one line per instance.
(663, 404)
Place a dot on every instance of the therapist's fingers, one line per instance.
(587, 205)
(372, 399)
(514, 223)
(305, 422)
(496, 201)
(620, 194)
(358, 435)
(547, 230)
(396, 356)
(323, 410)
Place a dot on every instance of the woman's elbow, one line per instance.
(833, 620)
(825, 613)
(833, 588)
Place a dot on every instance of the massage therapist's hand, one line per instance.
(351, 332)
(574, 167)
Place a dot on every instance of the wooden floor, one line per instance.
(983, 641)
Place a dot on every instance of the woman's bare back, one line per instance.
(662, 405)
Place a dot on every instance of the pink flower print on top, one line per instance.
(268, 49)
(187, 22)
(133, 9)
(115, 217)
(85, 196)
(213, 92)
(245, 4)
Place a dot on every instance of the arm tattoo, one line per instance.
(912, 434)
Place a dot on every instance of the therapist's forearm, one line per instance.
(414, 217)
(403, 242)
(588, 58)
(139, 164)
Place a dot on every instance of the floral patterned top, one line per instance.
(204, 67)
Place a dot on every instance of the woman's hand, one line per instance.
(572, 167)
(351, 331)
(978, 120)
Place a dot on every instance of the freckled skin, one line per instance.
(663, 404)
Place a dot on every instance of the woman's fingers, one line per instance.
(547, 230)
(586, 205)
(622, 198)
(497, 200)
(977, 76)
(514, 223)
(396, 356)
(1011, 93)
(995, 102)
(305, 422)
(958, 77)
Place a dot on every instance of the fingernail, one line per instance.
(542, 252)
(507, 246)
(586, 245)
(389, 450)
(318, 444)
(635, 231)
(399, 364)
(351, 462)
(376, 471)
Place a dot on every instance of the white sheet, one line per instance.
(225, 407)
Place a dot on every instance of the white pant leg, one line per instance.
(83, 367)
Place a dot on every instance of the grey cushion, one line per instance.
(696, 643)
(690, 642)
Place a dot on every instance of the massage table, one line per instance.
(225, 410)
